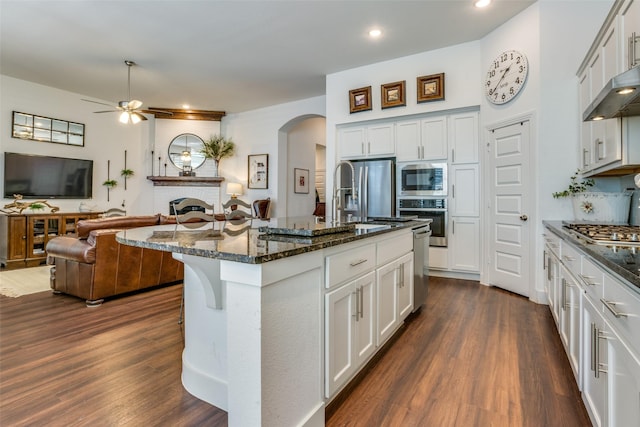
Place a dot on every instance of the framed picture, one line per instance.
(393, 94)
(431, 88)
(360, 99)
(301, 181)
(258, 171)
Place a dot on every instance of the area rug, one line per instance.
(24, 281)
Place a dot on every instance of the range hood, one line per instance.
(619, 98)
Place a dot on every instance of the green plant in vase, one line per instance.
(575, 187)
(217, 148)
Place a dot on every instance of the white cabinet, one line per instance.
(350, 323)
(624, 384)
(464, 191)
(408, 143)
(463, 137)
(464, 244)
(594, 349)
(570, 307)
(395, 293)
(586, 150)
(424, 139)
(376, 140)
(551, 266)
(630, 30)
(599, 325)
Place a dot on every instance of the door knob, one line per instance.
(524, 217)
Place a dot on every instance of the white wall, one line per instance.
(105, 139)
(264, 131)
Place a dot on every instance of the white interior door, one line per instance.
(509, 208)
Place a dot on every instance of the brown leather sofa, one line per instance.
(95, 266)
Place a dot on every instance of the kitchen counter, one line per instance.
(246, 243)
(622, 262)
(254, 308)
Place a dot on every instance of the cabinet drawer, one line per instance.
(349, 264)
(622, 310)
(553, 243)
(392, 248)
(592, 280)
(570, 258)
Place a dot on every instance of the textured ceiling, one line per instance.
(223, 55)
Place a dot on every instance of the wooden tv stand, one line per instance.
(24, 237)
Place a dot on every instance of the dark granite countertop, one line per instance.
(245, 242)
(623, 262)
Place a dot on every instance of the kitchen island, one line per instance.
(255, 318)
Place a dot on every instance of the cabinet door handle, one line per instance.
(600, 144)
(422, 151)
(418, 149)
(633, 40)
(564, 294)
(585, 154)
(453, 155)
(361, 302)
(362, 148)
(612, 308)
(453, 191)
(369, 147)
(453, 226)
(544, 259)
(360, 261)
(588, 280)
(357, 298)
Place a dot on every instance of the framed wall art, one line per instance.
(301, 181)
(430, 88)
(258, 171)
(393, 94)
(360, 99)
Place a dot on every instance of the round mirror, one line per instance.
(186, 150)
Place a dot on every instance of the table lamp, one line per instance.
(234, 189)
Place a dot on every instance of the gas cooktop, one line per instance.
(607, 234)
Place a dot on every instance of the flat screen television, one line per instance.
(46, 177)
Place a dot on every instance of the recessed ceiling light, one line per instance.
(482, 3)
(626, 91)
(375, 33)
(596, 118)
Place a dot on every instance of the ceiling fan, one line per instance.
(129, 110)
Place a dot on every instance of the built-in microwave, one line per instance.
(422, 179)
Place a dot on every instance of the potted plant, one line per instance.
(36, 206)
(595, 206)
(217, 148)
(575, 187)
(126, 173)
(110, 183)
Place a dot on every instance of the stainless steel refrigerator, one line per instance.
(375, 181)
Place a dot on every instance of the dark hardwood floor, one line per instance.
(474, 356)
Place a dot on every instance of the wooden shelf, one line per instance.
(186, 181)
(177, 114)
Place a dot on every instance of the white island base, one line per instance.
(254, 338)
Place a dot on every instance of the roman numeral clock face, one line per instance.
(506, 76)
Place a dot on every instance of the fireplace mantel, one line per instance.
(186, 181)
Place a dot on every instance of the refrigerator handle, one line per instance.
(365, 197)
(360, 193)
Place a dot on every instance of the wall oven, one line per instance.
(434, 208)
(422, 179)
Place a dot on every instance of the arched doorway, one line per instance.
(301, 143)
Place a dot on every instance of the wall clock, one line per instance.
(506, 76)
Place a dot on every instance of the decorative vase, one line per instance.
(601, 207)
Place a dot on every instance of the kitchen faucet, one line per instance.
(337, 200)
